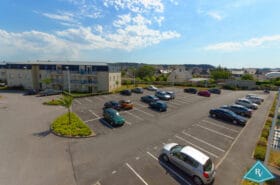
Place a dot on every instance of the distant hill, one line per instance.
(203, 66)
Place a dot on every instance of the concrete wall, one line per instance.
(114, 81)
(103, 81)
(3, 74)
(247, 84)
(19, 77)
(179, 75)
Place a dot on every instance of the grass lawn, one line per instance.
(77, 127)
(52, 102)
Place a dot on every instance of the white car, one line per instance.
(254, 99)
(152, 88)
(254, 96)
(247, 103)
(190, 160)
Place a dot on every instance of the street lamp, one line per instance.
(68, 75)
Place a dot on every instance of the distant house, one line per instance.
(237, 73)
(180, 74)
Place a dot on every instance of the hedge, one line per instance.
(260, 152)
(77, 127)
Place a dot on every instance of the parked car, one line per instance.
(113, 117)
(152, 88)
(126, 104)
(138, 90)
(112, 104)
(215, 91)
(254, 99)
(190, 160)
(254, 96)
(31, 92)
(190, 90)
(172, 94)
(204, 93)
(266, 91)
(158, 105)
(48, 92)
(149, 98)
(227, 115)
(239, 109)
(126, 92)
(162, 95)
(247, 103)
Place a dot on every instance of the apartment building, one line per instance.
(83, 76)
(2, 72)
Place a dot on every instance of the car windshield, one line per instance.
(208, 165)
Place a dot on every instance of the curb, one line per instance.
(72, 137)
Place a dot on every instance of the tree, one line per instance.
(66, 101)
(247, 77)
(145, 71)
(47, 81)
(220, 73)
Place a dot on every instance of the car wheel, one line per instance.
(234, 122)
(213, 115)
(165, 158)
(197, 180)
(160, 109)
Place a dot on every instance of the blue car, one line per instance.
(158, 105)
(149, 98)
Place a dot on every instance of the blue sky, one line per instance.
(236, 33)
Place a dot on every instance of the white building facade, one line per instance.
(83, 76)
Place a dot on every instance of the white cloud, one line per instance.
(251, 43)
(137, 6)
(159, 20)
(215, 15)
(61, 16)
(174, 2)
(35, 43)
(122, 20)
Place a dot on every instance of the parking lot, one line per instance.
(211, 136)
(129, 154)
(90, 108)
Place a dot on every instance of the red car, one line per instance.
(204, 93)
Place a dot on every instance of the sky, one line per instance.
(230, 33)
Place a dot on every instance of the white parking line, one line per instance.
(78, 102)
(172, 102)
(170, 169)
(128, 123)
(231, 146)
(196, 146)
(136, 174)
(221, 126)
(91, 111)
(144, 112)
(140, 104)
(88, 100)
(202, 141)
(91, 120)
(214, 131)
(98, 98)
(133, 115)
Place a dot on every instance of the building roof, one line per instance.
(47, 62)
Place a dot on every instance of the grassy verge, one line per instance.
(260, 150)
(4, 88)
(77, 127)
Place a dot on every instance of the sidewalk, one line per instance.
(240, 158)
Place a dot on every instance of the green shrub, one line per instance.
(265, 133)
(260, 153)
(262, 141)
(76, 128)
(52, 102)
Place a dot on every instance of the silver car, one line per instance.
(247, 103)
(198, 165)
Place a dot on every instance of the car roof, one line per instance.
(195, 154)
(110, 110)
